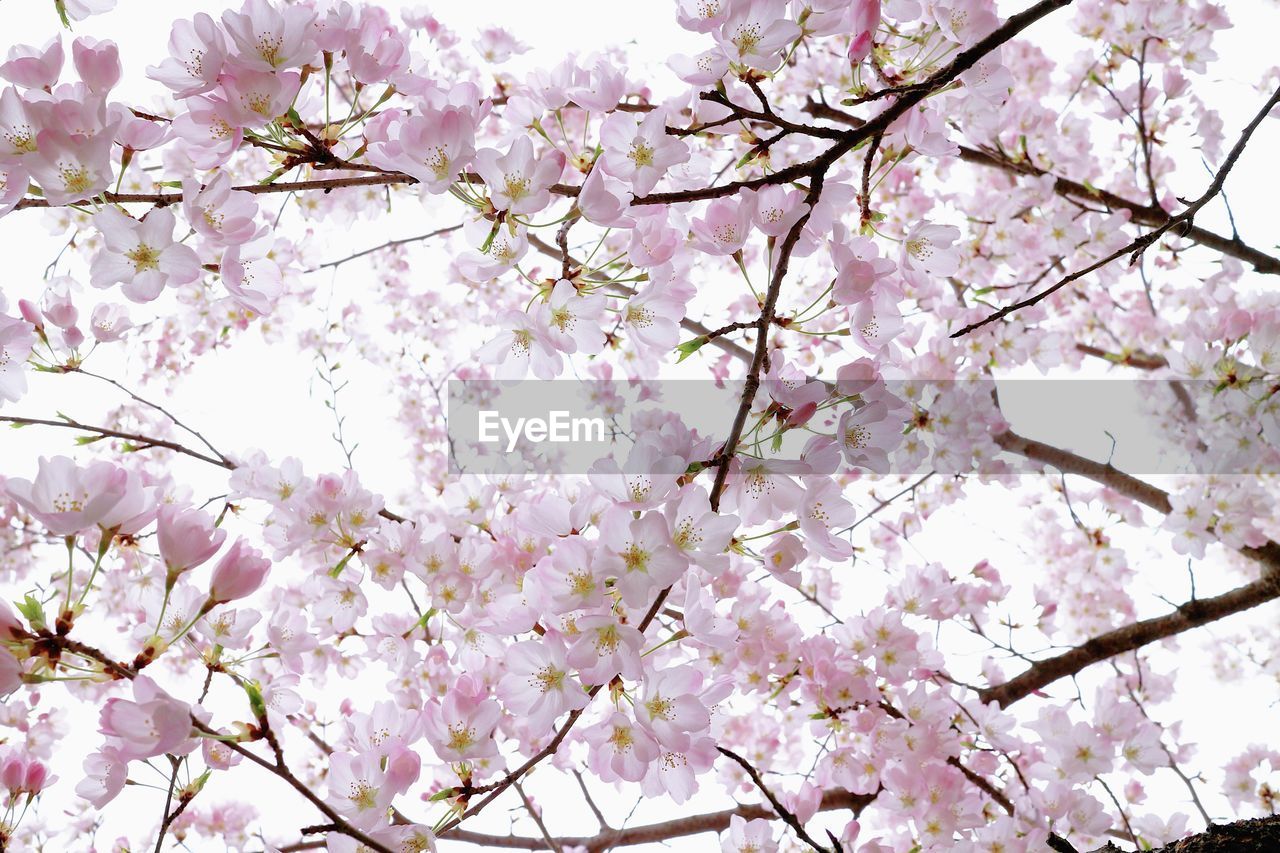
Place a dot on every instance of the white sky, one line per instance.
(284, 419)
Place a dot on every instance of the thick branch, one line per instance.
(654, 832)
(1192, 614)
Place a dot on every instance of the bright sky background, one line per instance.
(272, 383)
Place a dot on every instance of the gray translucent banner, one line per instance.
(1143, 427)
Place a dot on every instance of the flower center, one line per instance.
(857, 437)
(746, 38)
(621, 739)
(641, 154)
(548, 678)
(144, 257)
(461, 737)
(75, 177)
(363, 795)
(269, 45)
(516, 186)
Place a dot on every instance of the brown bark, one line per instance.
(1259, 835)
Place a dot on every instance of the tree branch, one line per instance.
(1141, 214)
(1140, 244)
(1198, 611)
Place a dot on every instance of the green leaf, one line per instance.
(31, 608)
(197, 784)
(61, 6)
(443, 794)
(688, 348)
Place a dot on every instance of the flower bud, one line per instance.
(238, 574)
(187, 538)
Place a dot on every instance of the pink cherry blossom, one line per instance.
(265, 37)
(16, 341)
(222, 215)
(105, 775)
(197, 51)
(13, 186)
(725, 225)
(153, 724)
(598, 85)
(461, 727)
(755, 32)
(567, 579)
(573, 319)
(605, 200)
(639, 554)
(640, 151)
(704, 69)
(519, 182)
(621, 749)
(34, 67)
(141, 255)
(358, 789)
(211, 130)
(249, 274)
(258, 97)
(66, 498)
(433, 146)
(70, 167)
(605, 648)
(538, 684)
(670, 708)
(496, 45)
(523, 344)
(748, 836)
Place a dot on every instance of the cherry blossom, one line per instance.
(66, 498)
(142, 256)
(197, 51)
(519, 182)
(824, 583)
(538, 684)
(640, 152)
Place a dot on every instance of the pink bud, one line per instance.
(37, 777)
(57, 306)
(72, 338)
(802, 415)
(12, 774)
(239, 573)
(187, 538)
(866, 20)
(30, 312)
(97, 62)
